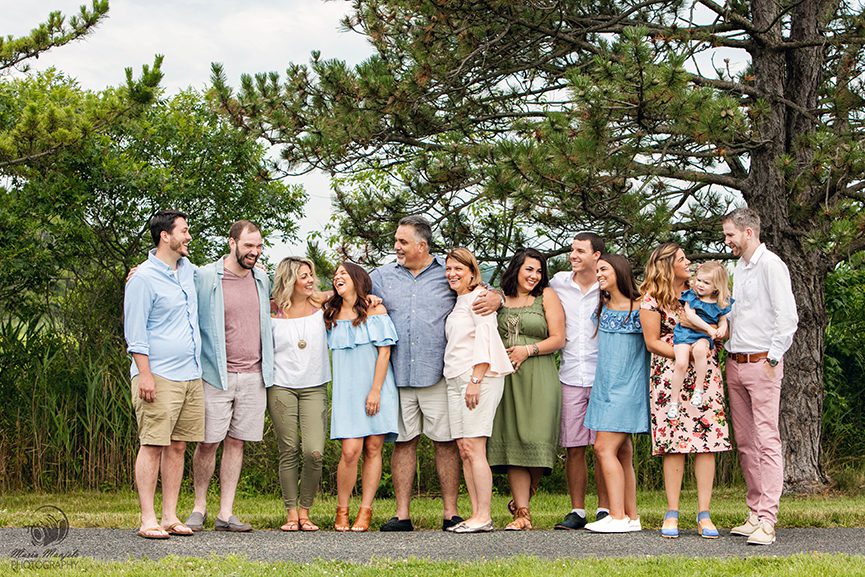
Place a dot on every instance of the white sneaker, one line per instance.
(763, 535)
(610, 525)
(673, 411)
(697, 398)
(748, 527)
(634, 525)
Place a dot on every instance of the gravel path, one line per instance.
(118, 544)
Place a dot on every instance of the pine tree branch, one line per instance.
(640, 169)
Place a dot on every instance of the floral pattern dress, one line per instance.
(701, 429)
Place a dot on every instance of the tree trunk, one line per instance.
(794, 77)
(802, 390)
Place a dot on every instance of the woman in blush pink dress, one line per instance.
(699, 430)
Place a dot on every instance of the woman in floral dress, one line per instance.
(699, 430)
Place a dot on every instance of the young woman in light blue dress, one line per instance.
(365, 402)
(619, 405)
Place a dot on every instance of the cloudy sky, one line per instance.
(246, 36)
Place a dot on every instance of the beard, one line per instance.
(178, 247)
(242, 261)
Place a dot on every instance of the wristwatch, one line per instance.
(773, 362)
(475, 381)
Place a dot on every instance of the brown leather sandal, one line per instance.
(307, 525)
(361, 522)
(341, 522)
(522, 520)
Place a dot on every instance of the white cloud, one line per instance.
(245, 36)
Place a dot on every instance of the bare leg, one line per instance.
(577, 475)
(482, 479)
(680, 369)
(229, 475)
(626, 459)
(465, 449)
(370, 475)
(700, 351)
(674, 470)
(704, 470)
(603, 498)
(172, 477)
(346, 472)
(607, 448)
(448, 469)
(402, 464)
(520, 479)
(146, 475)
(203, 464)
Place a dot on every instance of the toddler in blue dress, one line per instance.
(705, 304)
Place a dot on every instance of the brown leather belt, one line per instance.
(747, 358)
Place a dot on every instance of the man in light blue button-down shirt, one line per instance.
(161, 329)
(418, 299)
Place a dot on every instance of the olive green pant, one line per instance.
(298, 417)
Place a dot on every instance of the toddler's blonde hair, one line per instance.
(718, 278)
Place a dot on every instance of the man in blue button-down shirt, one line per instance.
(161, 328)
(418, 299)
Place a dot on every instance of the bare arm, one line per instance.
(651, 321)
(555, 316)
(696, 323)
(473, 391)
(487, 302)
(373, 399)
(146, 382)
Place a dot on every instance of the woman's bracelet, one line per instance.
(532, 350)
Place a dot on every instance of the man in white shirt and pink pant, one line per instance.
(762, 325)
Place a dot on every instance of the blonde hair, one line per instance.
(718, 279)
(286, 276)
(466, 258)
(659, 277)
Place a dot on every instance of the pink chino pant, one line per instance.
(754, 403)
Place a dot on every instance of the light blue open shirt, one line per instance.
(160, 311)
(418, 306)
(211, 304)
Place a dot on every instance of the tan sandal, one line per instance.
(290, 526)
(341, 522)
(307, 525)
(362, 521)
(522, 520)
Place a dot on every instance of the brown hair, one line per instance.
(659, 276)
(466, 258)
(240, 226)
(719, 279)
(743, 218)
(362, 287)
(624, 282)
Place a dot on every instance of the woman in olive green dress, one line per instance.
(526, 428)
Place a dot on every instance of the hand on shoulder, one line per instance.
(377, 310)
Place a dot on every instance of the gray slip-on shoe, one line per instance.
(196, 520)
(233, 525)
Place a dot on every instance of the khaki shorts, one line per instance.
(477, 422)
(177, 413)
(237, 412)
(424, 410)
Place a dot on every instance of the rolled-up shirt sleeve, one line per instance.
(783, 308)
(137, 303)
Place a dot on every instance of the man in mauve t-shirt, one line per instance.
(237, 366)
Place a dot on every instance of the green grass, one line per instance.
(120, 509)
(814, 564)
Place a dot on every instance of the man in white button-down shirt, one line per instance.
(578, 291)
(762, 325)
